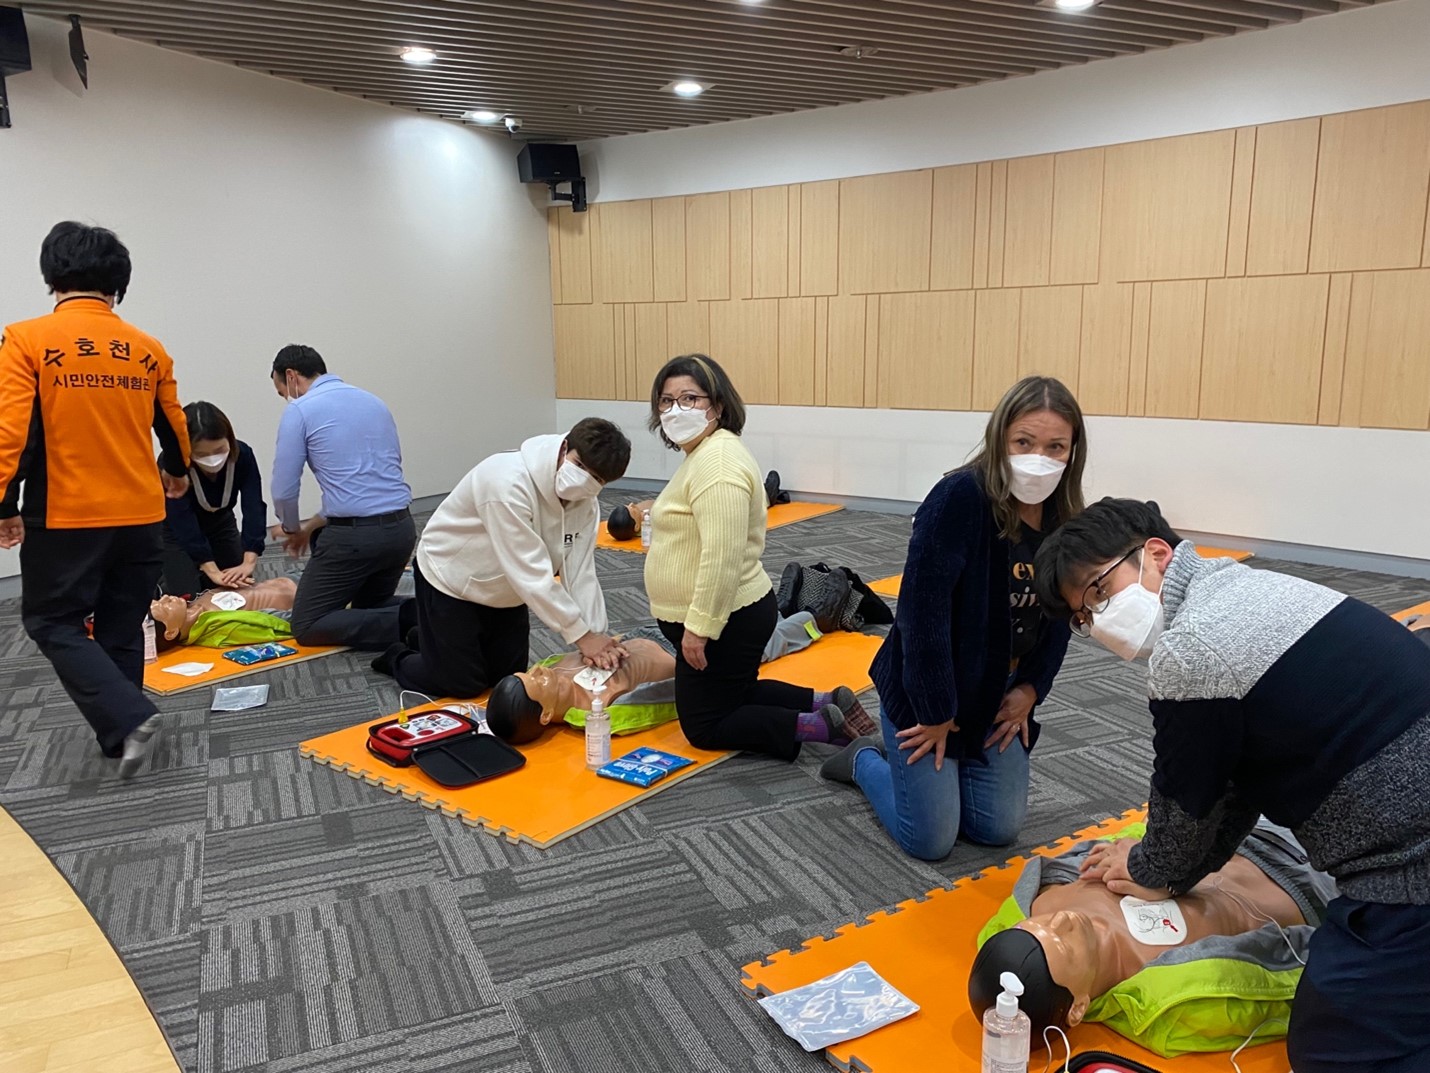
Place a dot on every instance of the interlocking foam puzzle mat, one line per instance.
(159, 679)
(780, 514)
(924, 947)
(888, 586)
(1411, 612)
(836, 659)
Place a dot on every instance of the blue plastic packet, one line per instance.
(252, 654)
(642, 767)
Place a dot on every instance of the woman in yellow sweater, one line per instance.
(707, 587)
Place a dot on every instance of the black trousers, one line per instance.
(345, 596)
(111, 573)
(727, 705)
(181, 573)
(464, 648)
(1360, 1005)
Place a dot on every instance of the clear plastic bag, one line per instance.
(239, 698)
(843, 1006)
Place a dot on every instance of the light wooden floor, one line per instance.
(67, 1004)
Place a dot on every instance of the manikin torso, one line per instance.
(555, 688)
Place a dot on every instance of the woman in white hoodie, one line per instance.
(518, 532)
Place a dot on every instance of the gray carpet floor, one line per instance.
(278, 915)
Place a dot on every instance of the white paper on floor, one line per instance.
(189, 670)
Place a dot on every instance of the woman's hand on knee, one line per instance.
(923, 738)
(692, 648)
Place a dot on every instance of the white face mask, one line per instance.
(1035, 477)
(213, 462)
(1132, 621)
(682, 426)
(574, 483)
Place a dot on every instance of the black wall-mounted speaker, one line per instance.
(540, 162)
(14, 42)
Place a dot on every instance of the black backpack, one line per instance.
(837, 597)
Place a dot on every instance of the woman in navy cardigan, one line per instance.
(971, 654)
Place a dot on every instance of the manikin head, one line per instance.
(1057, 957)
(622, 524)
(511, 713)
(170, 615)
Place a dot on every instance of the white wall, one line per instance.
(260, 212)
(1359, 489)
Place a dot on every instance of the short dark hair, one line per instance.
(1044, 1000)
(706, 372)
(78, 257)
(603, 447)
(207, 422)
(1102, 532)
(622, 526)
(511, 713)
(303, 360)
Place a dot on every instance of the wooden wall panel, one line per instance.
(1028, 222)
(573, 229)
(1261, 356)
(819, 237)
(1106, 348)
(769, 242)
(1138, 353)
(618, 347)
(871, 351)
(925, 351)
(651, 348)
(997, 222)
(821, 351)
(884, 227)
(740, 242)
(1174, 348)
(995, 345)
(622, 262)
(1077, 216)
(1371, 179)
(1333, 360)
(844, 360)
(1387, 370)
(1050, 333)
(1282, 193)
(585, 351)
(553, 250)
(796, 387)
(982, 209)
(687, 328)
(1243, 164)
(1166, 207)
(951, 237)
(745, 339)
(667, 240)
(707, 247)
(793, 232)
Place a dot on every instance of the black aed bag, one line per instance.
(447, 745)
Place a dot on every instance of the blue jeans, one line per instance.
(925, 810)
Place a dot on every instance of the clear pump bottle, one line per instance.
(151, 641)
(645, 529)
(1007, 1032)
(598, 733)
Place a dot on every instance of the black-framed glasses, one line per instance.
(686, 401)
(1095, 599)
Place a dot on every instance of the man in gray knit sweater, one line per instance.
(1271, 695)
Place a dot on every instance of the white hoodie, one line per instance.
(502, 536)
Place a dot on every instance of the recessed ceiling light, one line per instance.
(686, 87)
(417, 56)
(1074, 5)
(482, 115)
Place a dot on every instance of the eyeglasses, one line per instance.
(687, 401)
(1095, 599)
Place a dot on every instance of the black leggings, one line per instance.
(727, 706)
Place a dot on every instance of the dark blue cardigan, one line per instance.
(947, 656)
(182, 514)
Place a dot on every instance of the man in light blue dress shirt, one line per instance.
(363, 539)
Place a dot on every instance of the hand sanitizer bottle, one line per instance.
(151, 643)
(598, 734)
(1007, 1032)
(645, 529)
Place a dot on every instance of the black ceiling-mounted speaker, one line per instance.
(78, 56)
(540, 162)
(14, 53)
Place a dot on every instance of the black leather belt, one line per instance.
(376, 519)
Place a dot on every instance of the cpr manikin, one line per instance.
(1079, 940)
(175, 618)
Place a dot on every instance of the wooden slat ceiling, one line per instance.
(575, 69)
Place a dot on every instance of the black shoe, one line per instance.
(385, 663)
(772, 489)
(787, 595)
(840, 766)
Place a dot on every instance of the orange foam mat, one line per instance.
(924, 947)
(780, 514)
(836, 659)
(157, 679)
(1207, 552)
(553, 797)
(1411, 612)
(888, 586)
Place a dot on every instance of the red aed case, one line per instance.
(447, 745)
